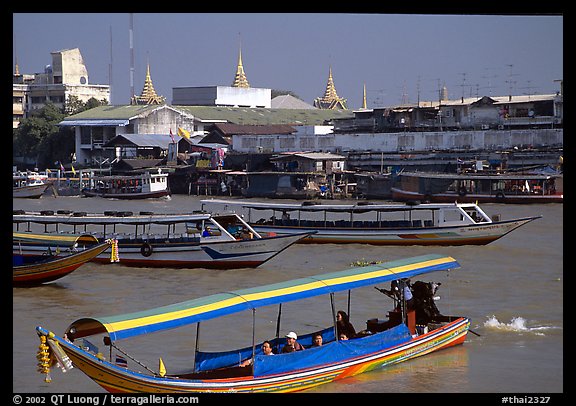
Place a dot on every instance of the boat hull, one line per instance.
(53, 269)
(176, 254)
(121, 380)
(127, 196)
(473, 234)
(30, 191)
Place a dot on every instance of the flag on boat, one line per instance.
(121, 361)
(161, 367)
(172, 136)
(62, 167)
(183, 133)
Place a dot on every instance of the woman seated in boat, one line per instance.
(266, 350)
(343, 325)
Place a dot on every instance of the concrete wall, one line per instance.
(404, 141)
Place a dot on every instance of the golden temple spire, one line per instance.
(364, 106)
(148, 95)
(330, 99)
(240, 79)
(16, 68)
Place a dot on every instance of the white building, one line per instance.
(66, 76)
(222, 96)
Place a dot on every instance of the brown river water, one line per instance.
(511, 289)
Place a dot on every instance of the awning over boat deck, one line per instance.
(218, 305)
(62, 240)
(89, 218)
(320, 207)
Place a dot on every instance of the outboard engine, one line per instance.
(423, 295)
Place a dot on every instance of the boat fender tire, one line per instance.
(110, 213)
(47, 212)
(462, 191)
(146, 249)
(124, 213)
(79, 214)
(64, 211)
(18, 212)
(500, 196)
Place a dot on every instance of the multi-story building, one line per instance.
(66, 76)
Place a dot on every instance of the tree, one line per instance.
(276, 92)
(38, 137)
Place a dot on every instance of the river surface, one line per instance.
(511, 289)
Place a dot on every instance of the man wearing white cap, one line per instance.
(291, 343)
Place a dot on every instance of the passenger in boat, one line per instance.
(285, 215)
(394, 293)
(342, 337)
(266, 350)
(343, 325)
(291, 343)
(207, 232)
(317, 340)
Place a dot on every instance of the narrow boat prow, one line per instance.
(415, 327)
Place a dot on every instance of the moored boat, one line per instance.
(407, 333)
(138, 186)
(376, 224)
(28, 188)
(47, 267)
(509, 187)
(146, 239)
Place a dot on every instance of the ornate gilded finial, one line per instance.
(364, 106)
(240, 79)
(16, 68)
(330, 99)
(148, 95)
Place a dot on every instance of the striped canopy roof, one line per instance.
(217, 305)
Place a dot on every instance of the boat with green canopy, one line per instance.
(408, 332)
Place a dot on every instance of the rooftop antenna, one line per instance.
(529, 88)
(110, 67)
(510, 81)
(131, 56)
(463, 85)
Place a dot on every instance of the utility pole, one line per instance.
(131, 56)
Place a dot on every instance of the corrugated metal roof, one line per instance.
(142, 140)
(245, 129)
(235, 115)
(260, 116)
(95, 123)
(316, 156)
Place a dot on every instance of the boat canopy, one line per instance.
(48, 239)
(102, 219)
(318, 207)
(222, 304)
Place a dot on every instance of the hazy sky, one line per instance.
(399, 57)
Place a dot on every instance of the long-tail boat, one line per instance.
(407, 333)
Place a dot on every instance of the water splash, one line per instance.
(517, 324)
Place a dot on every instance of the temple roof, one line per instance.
(148, 95)
(240, 79)
(331, 100)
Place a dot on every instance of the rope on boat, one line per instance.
(114, 257)
(135, 360)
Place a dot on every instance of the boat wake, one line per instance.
(517, 324)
